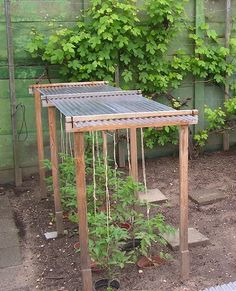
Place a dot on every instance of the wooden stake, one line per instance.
(82, 211)
(55, 171)
(183, 228)
(39, 129)
(134, 154)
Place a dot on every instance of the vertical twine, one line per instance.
(114, 156)
(128, 148)
(94, 174)
(97, 148)
(144, 174)
(62, 136)
(106, 182)
(70, 145)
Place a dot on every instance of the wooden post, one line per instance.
(199, 88)
(12, 91)
(227, 41)
(39, 129)
(183, 228)
(55, 172)
(134, 154)
(82, 211)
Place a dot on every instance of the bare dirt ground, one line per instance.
(56, 265)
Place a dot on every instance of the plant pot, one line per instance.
(130, 245)
(102, 284)
(145, 262)
(77, 245)
(66, 215)
(94, 266)
(125, 225)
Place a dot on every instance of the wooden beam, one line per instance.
(183, 228)
(55, 170)
(82, 211)
(132, 115)
(39, 129)
(37, 86)
(123, 93)
(134, 154)
(114, 126)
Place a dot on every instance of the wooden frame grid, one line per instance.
(158, 120)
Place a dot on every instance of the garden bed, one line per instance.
(56, 264)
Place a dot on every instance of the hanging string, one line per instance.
(62, 136)
(115, 160)
(94, 174)
(66, 149)
(106, 177)
(97, 148)
(70, 145)
(128, 149)
(144, 174)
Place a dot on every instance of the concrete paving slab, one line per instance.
(15, 278)
(195, 238)
(6, 213)
(4, 202)
(7, 240)
(206, 196)
(153, 195)
(7, 225)
(10, 257)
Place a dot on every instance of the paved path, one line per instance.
(12, 273)
(10, 254)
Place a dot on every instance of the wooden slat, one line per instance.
(82, 211)
(90, 94)
(131, 115)
(183, 228)
(39, 129)
(152, 123)
(37, 86)
(55, 170)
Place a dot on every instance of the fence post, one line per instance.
(11, 68)
(199, 87)
(227, 40)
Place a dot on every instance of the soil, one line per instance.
(56, 264)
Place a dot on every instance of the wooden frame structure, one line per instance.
(39, 101)
(94, 121)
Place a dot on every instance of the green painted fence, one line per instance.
(39, 13)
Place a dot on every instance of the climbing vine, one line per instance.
(136, 39)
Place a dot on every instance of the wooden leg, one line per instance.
(39, 129)
(134, 154)
(55, 172)
(183, 229)
(82, 211)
